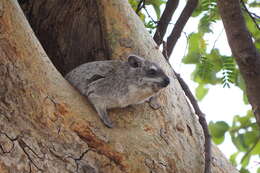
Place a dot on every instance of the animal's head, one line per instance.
(148, 73)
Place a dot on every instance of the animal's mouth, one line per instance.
(164, 83)
(159, 85)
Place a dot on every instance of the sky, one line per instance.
(220, 104)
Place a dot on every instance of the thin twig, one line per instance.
(256, 16)
(249, 151)
(187, 42)
(249, 13)
(181, 22)
(214, 44)
(169, 10)
(154, 21)
(140, 5)
(241, 127)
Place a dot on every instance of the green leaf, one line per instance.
(203, 75)
(239, 142)
(204, 24)
(254, 126)
(201, 91)
(157, 11)
(258, 170)
(133, 3)
(218, 129)
(229, 71)
(216, 59)
(218, 140)
(233, 157)
(250, 138)
(256, 150)
(245, 99)
(245, 160)
(204, 5)
(196, 47)
(243, 170)
(244, 120)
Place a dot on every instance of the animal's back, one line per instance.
(86, 73)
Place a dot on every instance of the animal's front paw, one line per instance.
(153, 102)
(108, 123)
(102, 112)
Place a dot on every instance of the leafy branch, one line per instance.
(251, 149)
(228, 74)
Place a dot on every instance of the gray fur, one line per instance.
(115, 83)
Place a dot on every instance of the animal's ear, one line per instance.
(135, 61)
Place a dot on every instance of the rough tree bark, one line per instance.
(46, 126)
(243, 49)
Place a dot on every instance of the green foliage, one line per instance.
(245, 135)
(212, 67)
(201, 91)
(204, 24)
(133, 3)
(218, 130)
(255, 3)
(150, 26)
(205, 6)
(229, 71)
(210, 15)
(243, 170)
(156, 4)
(196, 48)
(145, 16)
(233, 157)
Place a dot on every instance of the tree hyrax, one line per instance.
(115, 83)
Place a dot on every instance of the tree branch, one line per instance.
(243, 49)
(181, 22)
(249, 151)
(169, 10)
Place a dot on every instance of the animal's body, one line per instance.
(116, 84)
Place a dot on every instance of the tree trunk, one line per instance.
(46, 126)
(63, 25)
(243, 49)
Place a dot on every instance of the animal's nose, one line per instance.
(166, 81)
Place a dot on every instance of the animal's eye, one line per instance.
(152, 72)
